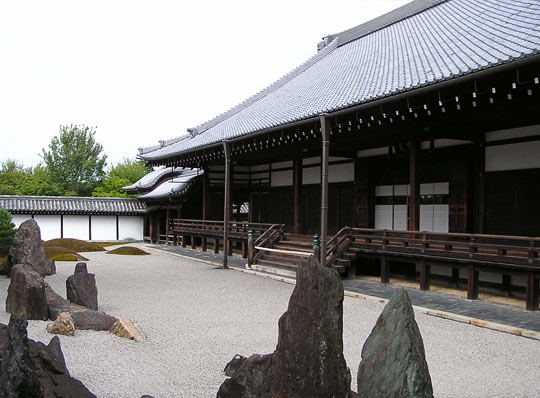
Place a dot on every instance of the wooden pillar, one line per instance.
(216, 245)
(481, 211)
(117, 228)
(244, 249)
(167, 227)
(531, 303)
(424, 275)
(158, 229)
(227, 200)
(455, 276)
(507, 284)
(472, 283)
(193, 242)
(89, 227)
(62, 227)
(151, 227)
(414, 205)
(325, 129)
(205, 194)
(385, 270)
(297, 170)
(204, 244)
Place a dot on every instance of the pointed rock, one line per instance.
(26, 249)
(308, 360)
(393, 358)
(127, 329)
(81, 288)
(26, 293)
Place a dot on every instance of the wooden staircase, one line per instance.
(293, 248)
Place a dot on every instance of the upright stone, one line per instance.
(18, 377)
(81, 288)
(393, 358)
(26, 249)
(26, 294)
(308, 360)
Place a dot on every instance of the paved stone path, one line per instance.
(488, 311)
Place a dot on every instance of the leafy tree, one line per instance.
(13, 166)
(111, 187)
(15, 179)
(7, 230)
(75, 160)
(131, 170)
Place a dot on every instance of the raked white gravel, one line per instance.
(197, 317)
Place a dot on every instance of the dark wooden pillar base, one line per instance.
(204, 244)
(455, 277)
(229, 248)
(244, 249)
(184, 240)
(216, 245)
(472, 284)
(193, 242)
(507, 284)
(385, 270)
(531, 303)
(424, 275)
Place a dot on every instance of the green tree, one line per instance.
(15, 179)
(111, 187)
(75, 160)
(131, 170)
(7, 230)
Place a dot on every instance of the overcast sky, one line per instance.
(141, 71)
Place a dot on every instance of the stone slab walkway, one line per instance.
(487, 311)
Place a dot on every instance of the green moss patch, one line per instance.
(128, 251)
(67, 257)
(53, 252)
(75, 245)
(2, 259)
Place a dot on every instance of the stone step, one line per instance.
(278, 264)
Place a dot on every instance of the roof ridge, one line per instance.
(92, 198)
(268, 89)
(383, 21)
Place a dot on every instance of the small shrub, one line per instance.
(128, 251)
(74, 244)
(7, 231)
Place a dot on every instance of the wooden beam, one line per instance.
(205, 195)
(385, 270)
(531, 303)
(325, 130)
(472, 283)
(414, 206)
(297, 171)
(424, 275)
(227, 200)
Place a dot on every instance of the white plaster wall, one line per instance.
(311, 175)
(130, 227)
(103, 227)
(76, 227)
(282, 165)
(523, 155)
(383, 217)
(49, 225)
(18, 219)
(341, 172)
(282, 178)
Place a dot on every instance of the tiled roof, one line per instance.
(151, 179)
(422, 43)
(176, 186)
(71, 205)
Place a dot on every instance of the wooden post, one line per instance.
(167, 227)
(204, 244)
(205, 194)
(424, 275)
(227, 200)
(216, 245)
(193, 242)
(151, 227)
(184, 240)
(472, 283)
(251, 249)
(414, 206)
(531, 293)
(455, 276)
(89, 227)
(325, 129)
(507, 284)
(244, 249)
(229, 248)
(480, 229)
(297, 170)
(385, 270)
(316, 247)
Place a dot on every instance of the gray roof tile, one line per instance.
(70, 205)
(424, 42)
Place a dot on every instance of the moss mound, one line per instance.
(128, 251)
(66, 257)
(75, 245)
(53, 252)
